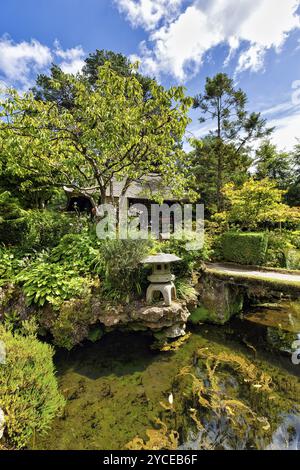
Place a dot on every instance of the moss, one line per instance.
(219, 301)
(200, 314)
(72, 324)
(95, 334)
(287, 286)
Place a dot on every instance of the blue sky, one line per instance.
(178, 41)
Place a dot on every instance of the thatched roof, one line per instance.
(146, 187)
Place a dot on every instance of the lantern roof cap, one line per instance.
(160, 258)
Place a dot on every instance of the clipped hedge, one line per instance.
(245, 247)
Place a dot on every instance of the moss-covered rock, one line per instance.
(219, 301)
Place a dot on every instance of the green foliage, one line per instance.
(294, 238)
(46, 228)
(81, 251)
(256, 203)
(293, 259)
(293, 193)
(50, 282)
(245, 248)
(234, 128)
(283, 249)
(71, 326)
(204, 161)
(124, 273)
(185, 290)
(117, 133)
(29, 394)
(64, 95)
(189, 258)
(12, 220)
(279, 244)
(270, 163)
(10, 265)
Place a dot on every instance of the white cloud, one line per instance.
(18, 61)
(252, 59)
(72, 58)
(287, 130)
(148, 13)
(177, 43)
(21, 62)
(279, 108)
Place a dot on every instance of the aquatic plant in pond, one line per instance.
(118, 388)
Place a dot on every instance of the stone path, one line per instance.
(247, 272)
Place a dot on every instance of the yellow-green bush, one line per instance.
(29, 395)
(13, 223)
(245, 247)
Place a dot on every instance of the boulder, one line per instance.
(218, 301)
(137, 315)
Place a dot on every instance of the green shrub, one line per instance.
(189, 258)
(51, 282)
(293, 259)
(13, 224)
(294, 238)
(124, 273)
(245, 247)
(46, 228)
(29, 395)
(81, 251)
(10, 265)
(279, 245)
(185, 289)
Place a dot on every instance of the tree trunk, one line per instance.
(219, 162)
(103, 195)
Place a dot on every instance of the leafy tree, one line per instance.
(270, 163)
(13, 223)
(293, 194)
(204, 163)
(112, 132)
(46, 88)
(119, 64)
(29, 190)
(225, 106)
(256, 203)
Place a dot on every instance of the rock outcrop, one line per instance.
(139, 316)
(218, 301)
(91, 317)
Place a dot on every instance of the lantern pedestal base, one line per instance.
(167, 289)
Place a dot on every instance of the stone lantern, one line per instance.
(161, 278)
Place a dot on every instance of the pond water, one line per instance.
(118, 387)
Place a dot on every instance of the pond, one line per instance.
(117, 388)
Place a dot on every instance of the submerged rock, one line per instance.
(287, 435)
